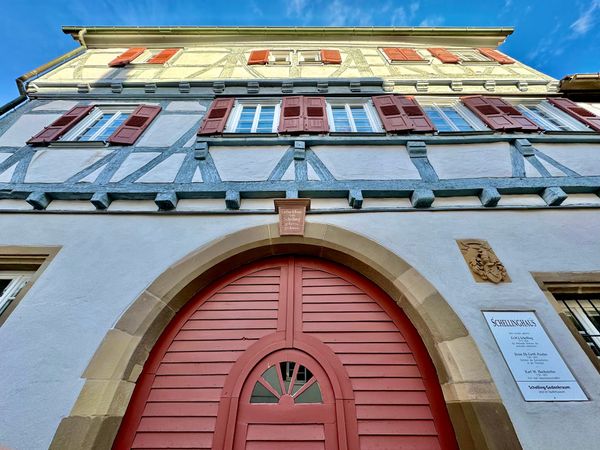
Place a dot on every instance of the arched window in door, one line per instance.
(287, 378)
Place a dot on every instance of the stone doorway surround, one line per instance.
(476, 410)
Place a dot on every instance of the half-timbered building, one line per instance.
(298, 238)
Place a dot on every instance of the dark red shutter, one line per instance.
(331, 56)
(134, 126)
(392, 114)
(498, 114)
(496, 55)
(576, 111)
(444, 55)
(126, 57)
(163, 56)
(216, 116)
(315, 115)
(415, 113)
(60, 126)
(258, 57)
(292, 115)
(401, 54)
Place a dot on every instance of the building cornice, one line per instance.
(103, 37)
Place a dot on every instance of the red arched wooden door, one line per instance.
(223, 373)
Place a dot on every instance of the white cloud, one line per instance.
(404, 16)
(296, 7)
(432, 21)
(587, 19)
(342, 14)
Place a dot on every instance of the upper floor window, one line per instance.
(452, 117)
(254, 117)
(352, 117)
(550, 118)
(309, 56)
(11, 284)
(280, 57)
(471, 56)
(99, 125)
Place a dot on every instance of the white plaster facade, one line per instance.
(105, 262)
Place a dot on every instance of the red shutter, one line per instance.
(163, 56)
(126, 57)
(60, 126)
(496, 55)
(331, 56)
(401, 54)
(498, 114)
(392, 114)
(415, 113)
(581, 114)
(315, 115)
(444, 55)
(130, 130)
(216, 116)
(258, 57)
(292, 115)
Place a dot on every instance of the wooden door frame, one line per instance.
(477, 412)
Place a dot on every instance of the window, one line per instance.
(309, 56)
(452, 117)
(254, 117)
(280, 57)
(353, 117)
(99, 125)
(11, 284)
(471, 56)
(146, 56)
(549, 117)
(585, 314)
(287, 377)
(397, 55)
(576, 298)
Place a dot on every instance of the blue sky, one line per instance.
(558, 37)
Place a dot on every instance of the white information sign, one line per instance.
(536, 365)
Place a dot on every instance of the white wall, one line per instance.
(107, 260)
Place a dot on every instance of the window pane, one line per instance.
(340, 119)
(272, 377)
(311, 395)
(455, 117)
(88, 134)
(109, 130)
(438, 120)
(246, 119)
(3, 285)
(261, 394)
(265, 121)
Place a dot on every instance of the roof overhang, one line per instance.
(105, 37)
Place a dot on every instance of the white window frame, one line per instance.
(303, 61)
(367, 104)
(478, 57)
(96, 113)
(280, 57)
(457, 105)
(236, 113)
(18, 281)
(558, 115)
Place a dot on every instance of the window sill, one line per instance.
(410, 63)
(78, 144)
(357, 134)
(242, 135)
